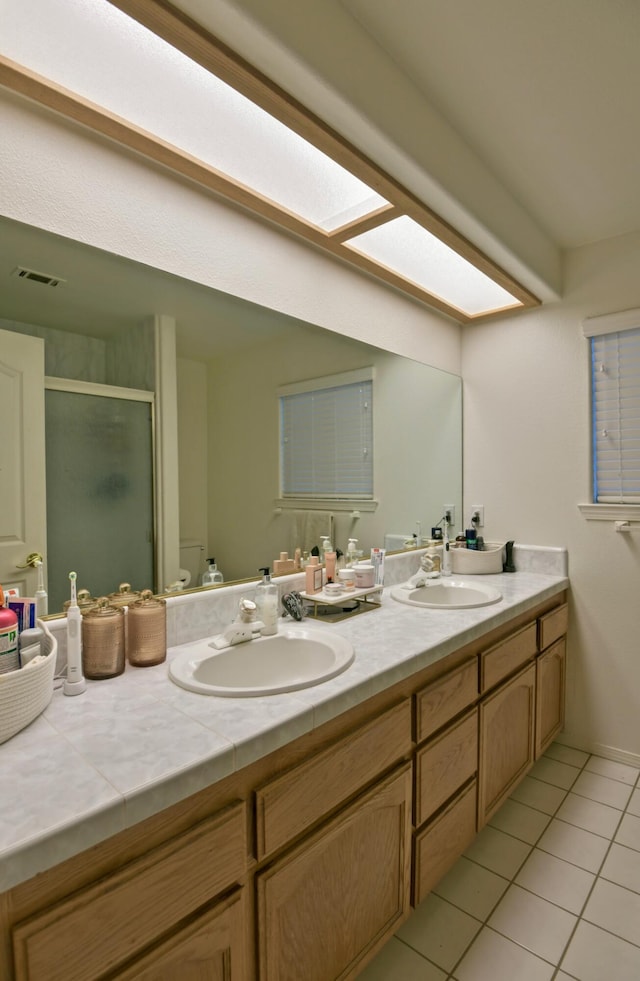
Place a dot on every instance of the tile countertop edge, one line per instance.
(23, 859)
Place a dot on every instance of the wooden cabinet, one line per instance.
(550, 694)
(294, 801)
(341, 893)
(443, 840)
(213, 947)
(302, 864)
(95, 930)
(444, 765)
(506, 740)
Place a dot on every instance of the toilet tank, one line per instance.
(191, 561)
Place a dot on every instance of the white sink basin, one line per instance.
(448, 594)
(296, 657)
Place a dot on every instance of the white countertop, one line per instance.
(95, 764)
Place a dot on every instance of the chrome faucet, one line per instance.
(245, 627)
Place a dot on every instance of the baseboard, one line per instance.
(600, 749)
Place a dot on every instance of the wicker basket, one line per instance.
(25, 693)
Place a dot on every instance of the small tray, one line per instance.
(330, 599)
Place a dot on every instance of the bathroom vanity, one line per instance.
(304, 861)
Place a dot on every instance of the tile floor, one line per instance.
(550, 888)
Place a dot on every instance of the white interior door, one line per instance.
(23, 504)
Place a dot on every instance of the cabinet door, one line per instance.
(213, 947)
(506, 740)
(443, 840)
(550, 686)
(334, 899)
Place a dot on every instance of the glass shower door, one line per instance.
(99, 493)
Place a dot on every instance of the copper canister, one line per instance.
(103, 641)
(124, 596)
(147, 630)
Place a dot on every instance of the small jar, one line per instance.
(365, 576)
(147, 630)
(103, 641)
(348, 578)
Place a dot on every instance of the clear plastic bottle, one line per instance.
(267, 603)
(352, 553)
(212, 575)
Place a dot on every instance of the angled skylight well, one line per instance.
(122, 68)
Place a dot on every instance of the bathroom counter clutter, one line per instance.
(131, 746)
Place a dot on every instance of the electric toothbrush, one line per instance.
(74, 683)
(42, 600)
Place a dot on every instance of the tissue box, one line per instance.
(468, 562)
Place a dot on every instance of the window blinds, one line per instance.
(326, 442)
(615, 375)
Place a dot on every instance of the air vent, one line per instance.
(38, 277)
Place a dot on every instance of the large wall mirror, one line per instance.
(232, 356)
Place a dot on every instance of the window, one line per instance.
(326, 437)
(615, 385)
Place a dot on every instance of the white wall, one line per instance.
(527, 459)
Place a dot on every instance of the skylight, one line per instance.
(95, 52)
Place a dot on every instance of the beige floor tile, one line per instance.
(565, 754)
(609, 768)
(439, 931)
(560, 882)
(495, 958)
(472, 888)
(532, 922)
(629, 832)
(622, 865)
(590, 815)
(615, 909)
(396, 961)
(603, 789)
(633, 806)
(574, 845)
(594, 955)
(520, 821)
(535, 793)
(561, 976)
(554, 772)
(499, 852)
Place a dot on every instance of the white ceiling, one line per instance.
(517, 120)
(544, 91)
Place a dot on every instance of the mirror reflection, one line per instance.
(230, 359)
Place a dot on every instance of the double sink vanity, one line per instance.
(167, 833)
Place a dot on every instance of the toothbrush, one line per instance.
(74, 683)
(42, 600)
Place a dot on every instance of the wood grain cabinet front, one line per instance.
(211, 948)
(294, 801)
(445, 698)
(550, 692)
(331, 902)
(506, 734)
(444, 765)
(93, 932)
(443, 840)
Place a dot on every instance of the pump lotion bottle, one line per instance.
(267, 603)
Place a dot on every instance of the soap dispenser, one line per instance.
(352, 552)
(267, 603)
(212, 575)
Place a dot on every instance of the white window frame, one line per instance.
(624, 511)
(327, 497)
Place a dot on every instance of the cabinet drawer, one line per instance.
(507, 656)
(98, 928)
(443, 841)
(552, 626)
(445, 765)
(446, 698)
(294, 801)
